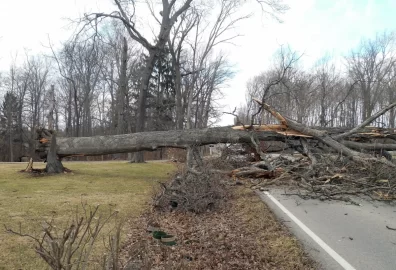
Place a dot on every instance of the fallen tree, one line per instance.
(145, 141)
(333, 176)
(356, 143)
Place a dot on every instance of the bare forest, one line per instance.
(111, 77)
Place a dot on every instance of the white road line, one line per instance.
(316, 238)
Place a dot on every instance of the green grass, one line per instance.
(26, 201)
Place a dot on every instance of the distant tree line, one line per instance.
(110, 78)
(328, 94)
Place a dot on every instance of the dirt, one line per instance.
(242, 234)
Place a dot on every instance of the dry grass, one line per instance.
(244, 234)
(280, 247)
(26, 200)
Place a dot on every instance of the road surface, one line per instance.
(339, 235)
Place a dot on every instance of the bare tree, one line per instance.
(35, 92)
(327, 80)
(370, 65)
(126, 14)
(176, 44)
(80, 64)
(276, 85)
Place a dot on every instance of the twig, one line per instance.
(390, 228)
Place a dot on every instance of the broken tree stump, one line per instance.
(48, 137)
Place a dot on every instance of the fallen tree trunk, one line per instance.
(147, 141)
(336, 139)
(370, 146)
(255, 173)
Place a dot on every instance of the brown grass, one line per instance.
(25, 200)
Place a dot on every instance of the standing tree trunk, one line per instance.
(10, 145)
(122, 89)
(51, 107)
(143, 91)
(10, 133)
(169, 15)
(54, 165)
(178, 90)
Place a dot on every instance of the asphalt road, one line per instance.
(339, 235)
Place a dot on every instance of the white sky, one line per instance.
(314, 27)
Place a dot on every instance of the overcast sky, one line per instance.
(315, 27)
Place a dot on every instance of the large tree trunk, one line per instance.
(54, 165)
(335, 138)
(147, 141)
(122, 90)
(10, 132)
(142, 100)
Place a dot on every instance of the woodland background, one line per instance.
(91, 82)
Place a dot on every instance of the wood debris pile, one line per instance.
(331, 163)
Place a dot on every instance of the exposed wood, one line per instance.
(280, 129)
(319, 134)
(365, 132)
(324, 137)
(274, 113)
(29, 167)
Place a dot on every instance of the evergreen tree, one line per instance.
(8, 123)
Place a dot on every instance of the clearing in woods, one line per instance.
(27, 200)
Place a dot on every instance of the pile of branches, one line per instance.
(331, 164)
(336, 178)
(333, 177)
(193, 190)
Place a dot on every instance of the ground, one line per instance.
(26, 201)
(242, 234)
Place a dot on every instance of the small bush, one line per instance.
(71, 247)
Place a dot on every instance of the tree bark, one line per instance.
(54, 165)
(51, 107)
(142, 100)
(146, 141)
(122, 89)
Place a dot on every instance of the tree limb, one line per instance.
(365, 123)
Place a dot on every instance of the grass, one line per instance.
(26, 200)
(274, 241)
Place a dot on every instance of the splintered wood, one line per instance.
(280, 129)
(365, 133)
